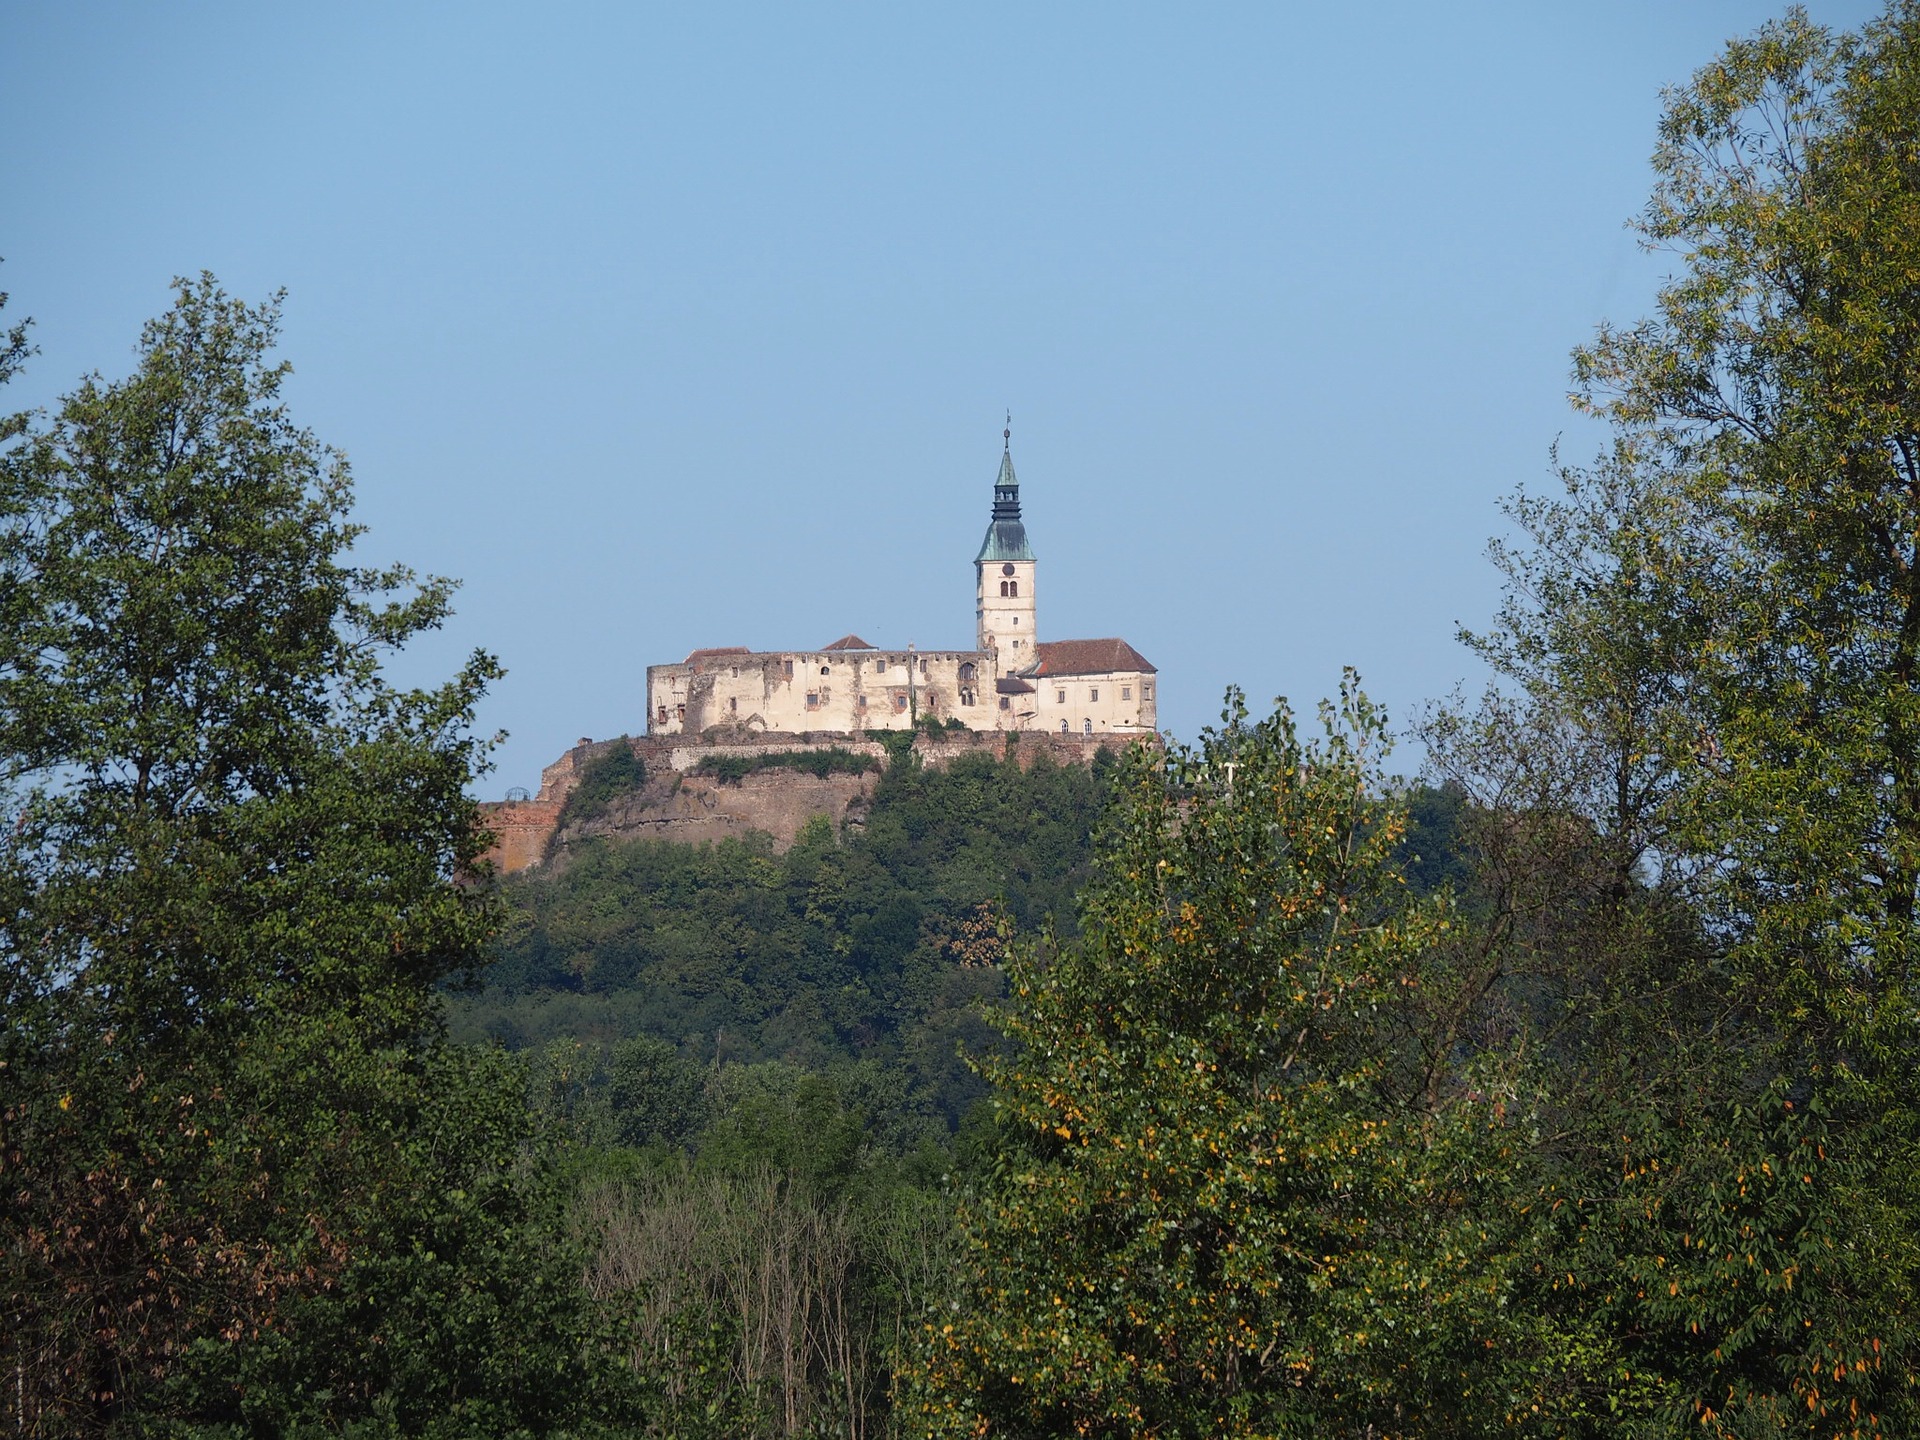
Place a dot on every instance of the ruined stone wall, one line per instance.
(837, 690)
(521, 830)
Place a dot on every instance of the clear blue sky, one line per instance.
(664, 327)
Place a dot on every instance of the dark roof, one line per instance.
(1090, 657)
(698, 655)
(1006, 536)
(1012, 685)
(848, 642)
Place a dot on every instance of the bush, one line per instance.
(618, 772)
(732, 769)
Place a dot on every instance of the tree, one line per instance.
(1714, 636)
(1243, 1194)
(227, 896)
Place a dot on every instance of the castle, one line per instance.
(1013, 680)
(1072, 698)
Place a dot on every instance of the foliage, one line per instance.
(757, 1061)
(1231, 1201)
(1712, 640)
(762, 1265)
(226, 904)
(835, 760)
(607, 776)
(898, 744)
(875, 947)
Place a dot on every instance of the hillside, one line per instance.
(871, 947)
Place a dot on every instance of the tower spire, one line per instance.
(1006, 536)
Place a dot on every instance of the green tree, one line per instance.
(227, 895)
(654, 1094)
(1233, 1200)
(1716, 632)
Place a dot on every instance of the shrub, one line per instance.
(732, 769)
(618, 772)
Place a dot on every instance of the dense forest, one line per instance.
(1231, 1089)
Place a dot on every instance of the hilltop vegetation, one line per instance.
(873, 950)
(1578, 1096)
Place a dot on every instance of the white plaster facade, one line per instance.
(843, 688)
(1077, 700)
(1012, 681)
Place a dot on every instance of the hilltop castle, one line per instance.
(1013, 680)
(1074, 698)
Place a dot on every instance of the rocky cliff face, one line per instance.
(677, 803)
(693, 808)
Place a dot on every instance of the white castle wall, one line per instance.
(840, 690)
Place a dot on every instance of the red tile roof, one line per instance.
(1091, 657)
(848, 642)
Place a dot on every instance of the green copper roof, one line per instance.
(1006, 536)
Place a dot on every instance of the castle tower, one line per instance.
(1003, 578)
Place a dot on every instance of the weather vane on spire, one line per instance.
(1006, 435)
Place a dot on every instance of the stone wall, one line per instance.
(521, 829)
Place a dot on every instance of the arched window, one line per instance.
(1013, 587)
(967, 672)
(1086, 727)
(1065, 729)
(1003, 589)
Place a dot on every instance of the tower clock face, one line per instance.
(1006, 569)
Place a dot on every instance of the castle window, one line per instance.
(1005, 704)
(1016, 619)
(967, 671)
(1065, 729)
(1086, 727)
(1126, 692)
(663, 714)
(861, 702)
(680, 712)
(1093, 694)
(826, 669)
(1060, 698)
(788, 666)
(733, 705)
(1013, 588)
(899, 702)
(966, 696)
(813, 699)
(1146, 692)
